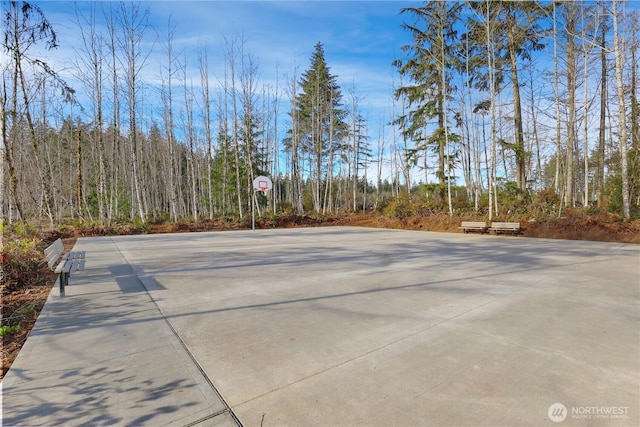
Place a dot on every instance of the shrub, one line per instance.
(6, 329)
(545, 204)
(401, 207)
(22, 256)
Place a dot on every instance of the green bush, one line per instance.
(21, 259)
(401, 207)
(6, 329)
(545, 204)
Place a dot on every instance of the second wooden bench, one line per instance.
(505, 227)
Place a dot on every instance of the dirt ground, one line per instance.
(23, 304)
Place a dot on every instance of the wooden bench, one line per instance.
(71, 261)
(505, 227)
(467, 226)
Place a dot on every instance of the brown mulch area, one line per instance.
(23, 303)
(602, 228)
(22, 308)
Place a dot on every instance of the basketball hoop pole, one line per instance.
(253, 210)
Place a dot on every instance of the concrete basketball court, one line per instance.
(338, 326)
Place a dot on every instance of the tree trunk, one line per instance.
(600, 178)
(586, 46)
(618, 53)
(571, 100)
(113, 210)
(134, 23)
(236, 143)
(206, 100)
(492, 89)
(445, 124)
(558, 185)
(520, 153)
(44, 173)
(79, 177)
(8, 142)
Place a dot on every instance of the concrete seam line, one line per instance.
(184, 347)
(208, 417)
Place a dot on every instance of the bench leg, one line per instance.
(64, 277)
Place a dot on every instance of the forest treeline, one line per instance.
(497, 107)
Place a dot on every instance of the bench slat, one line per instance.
(75, 264)
(77, 255)
(505, 225)
(60, 267)
(53, 252)
(51, 262)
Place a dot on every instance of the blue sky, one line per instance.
(360, 38)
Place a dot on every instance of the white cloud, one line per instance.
(360, 39)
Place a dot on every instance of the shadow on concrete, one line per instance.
(97, 391)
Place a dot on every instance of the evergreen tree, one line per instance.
(431, 56)
(320, 119)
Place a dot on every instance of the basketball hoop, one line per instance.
(262, 183)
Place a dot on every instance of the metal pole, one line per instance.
(253, 211)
